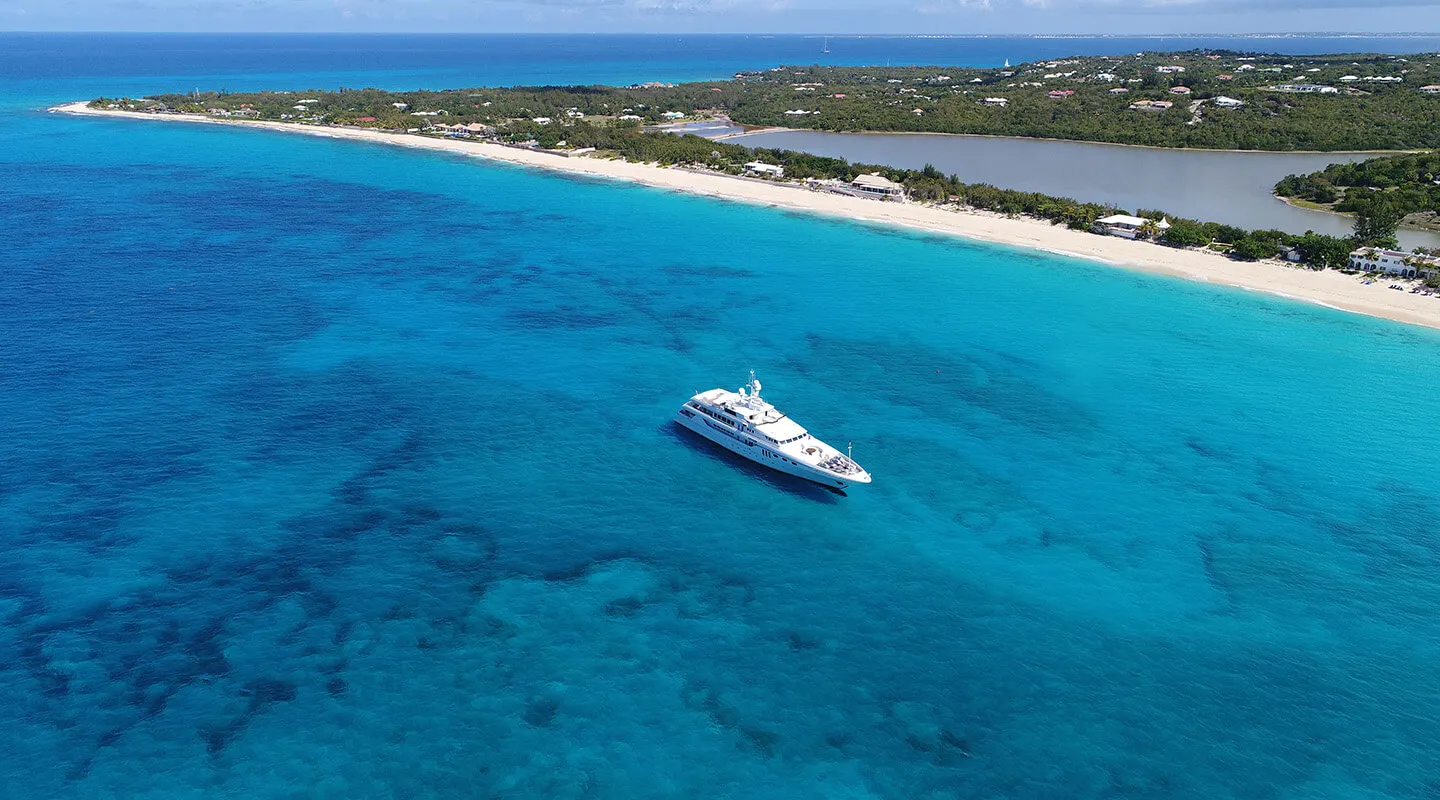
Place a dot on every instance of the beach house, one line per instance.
(878, 187)
(761, 168)
(1128, 227)
(1395, 262)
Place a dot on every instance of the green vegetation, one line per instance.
(1362, 113)
(1377, 103)
(1381, 193)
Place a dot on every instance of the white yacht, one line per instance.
(745, 423)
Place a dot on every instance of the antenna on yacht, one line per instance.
(754, 384)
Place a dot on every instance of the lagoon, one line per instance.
(1222, 186)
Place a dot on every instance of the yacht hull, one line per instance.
(765, 457)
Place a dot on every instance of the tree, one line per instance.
(1319, 251)
(1376, 223)
(1184, 233)
(1254, 248)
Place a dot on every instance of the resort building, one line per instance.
(1151, 105)
(1228, 102)
(1060, 94)
(1305, 88)
(673, 115)
(1395, 262)
(761, 168)
(1128, 227)
(1180, 90)
(1170, 70)
(878, 186)
(1431, 89)
(998, 102)
(1119, 90)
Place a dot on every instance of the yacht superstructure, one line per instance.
(747, 424)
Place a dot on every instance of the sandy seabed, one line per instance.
(1328, 288)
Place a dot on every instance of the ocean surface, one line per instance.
(338, 470)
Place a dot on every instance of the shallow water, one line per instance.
(342, 470)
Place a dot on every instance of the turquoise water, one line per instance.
(337, 470)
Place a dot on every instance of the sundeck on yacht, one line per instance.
(747, 424)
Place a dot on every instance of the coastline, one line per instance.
(1347, 215)
(781, 129)
(1327, 288)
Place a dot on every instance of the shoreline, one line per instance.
(781, 129)
(1328, 288)
(1348, 215)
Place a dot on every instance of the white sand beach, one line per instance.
(1328, 288)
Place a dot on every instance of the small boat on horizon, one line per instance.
(745, 423)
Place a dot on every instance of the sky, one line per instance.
(729, 16)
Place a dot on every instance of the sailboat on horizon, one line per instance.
(826, 47)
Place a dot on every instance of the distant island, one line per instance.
(1195, 99)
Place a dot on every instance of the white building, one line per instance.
(1128, 227)
(1228, 102)
(761, 168)
(673, 115)
(1431, 89)
(1305, 88)
(1395, 262)
(878, 187)
(1151, 105)
(541, 120)
(997, 101)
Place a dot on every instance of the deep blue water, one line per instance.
(336, 470)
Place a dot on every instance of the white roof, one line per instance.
(1126, 219)
(877, 181)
